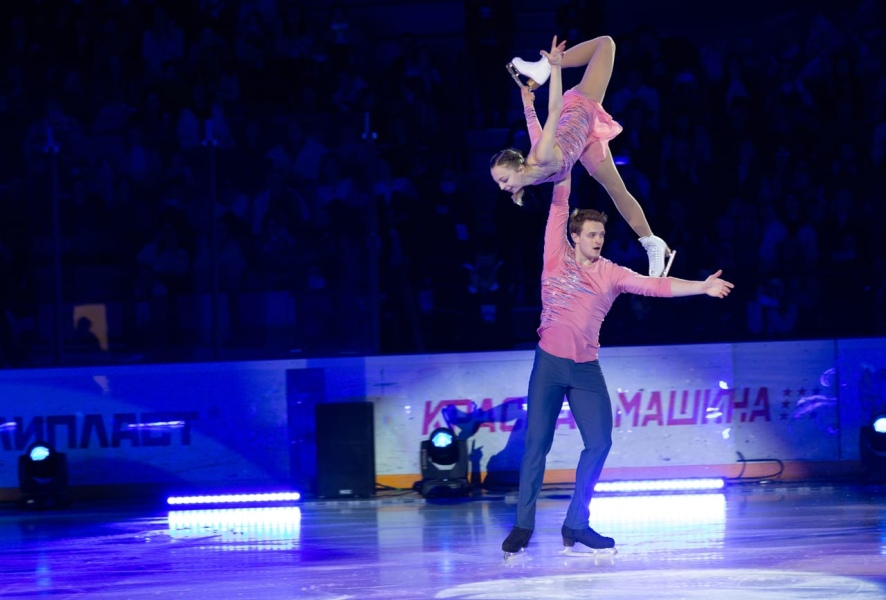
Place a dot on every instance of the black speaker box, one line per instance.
(345, 450)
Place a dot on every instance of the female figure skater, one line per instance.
(577, 129)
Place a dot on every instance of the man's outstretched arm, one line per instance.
(712, 286)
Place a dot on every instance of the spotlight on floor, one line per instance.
(444, 465)
(872, 446)
(43, 477)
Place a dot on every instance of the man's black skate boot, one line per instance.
(516, 540)
(586, 536)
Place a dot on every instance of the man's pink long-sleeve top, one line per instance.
(576, 299)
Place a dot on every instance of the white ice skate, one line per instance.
(657, 251)
(667, 268)
(536, 73)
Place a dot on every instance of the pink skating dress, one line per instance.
(583, 133)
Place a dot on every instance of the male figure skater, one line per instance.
(578, 289)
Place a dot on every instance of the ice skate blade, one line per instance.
(516, 76)
(589, 553)
(670, 262)
(509, 555)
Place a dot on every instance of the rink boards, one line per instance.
(725, 409)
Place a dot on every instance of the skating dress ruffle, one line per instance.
(583, 133)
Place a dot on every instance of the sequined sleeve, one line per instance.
(556, 240)
(533, 124)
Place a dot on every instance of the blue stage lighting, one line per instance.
(442, 450)
(662, 485)
(39, 452)
(442, 438)
(444, 465)
(234, 499)
(43, 477)
(872, 447)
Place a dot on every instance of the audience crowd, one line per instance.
(201, 179)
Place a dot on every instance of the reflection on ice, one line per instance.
(759, 584)
(666, 510)
(276, 528)
(671, 522)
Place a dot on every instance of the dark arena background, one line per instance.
(267, 322)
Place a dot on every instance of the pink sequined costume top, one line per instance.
(583, 133)
(575, 299)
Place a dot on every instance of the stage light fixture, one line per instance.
(444, 465)
(662, 485)
(43, 477)
(268, 498)
(443, 449)
(872, 449)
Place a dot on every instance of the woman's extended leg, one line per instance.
(597, 56)
(608, 176)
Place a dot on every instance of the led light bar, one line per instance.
(664, 485)
(234, 499)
